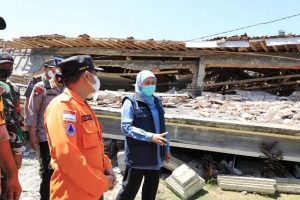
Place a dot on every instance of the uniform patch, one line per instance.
(38, 90)
(69, 115)
(70, 129)
(86, 118)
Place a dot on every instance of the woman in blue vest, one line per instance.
(146, 139)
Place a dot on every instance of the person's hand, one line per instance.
(111, 182)
(13, 188)
(110, 172)
(159, 138)
(34, 142)
(168, 157)
(18, 160)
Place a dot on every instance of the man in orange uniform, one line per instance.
(81, 170)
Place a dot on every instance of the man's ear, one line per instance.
(86, 75)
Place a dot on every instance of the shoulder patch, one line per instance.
(38, 90)
(69, 115)
(70, 129)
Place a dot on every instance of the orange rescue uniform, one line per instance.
(76, 148)
(2, 119)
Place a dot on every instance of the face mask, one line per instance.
(59, 77)
(51, 74)
(95, 85)
(5, 73)
(148, 90)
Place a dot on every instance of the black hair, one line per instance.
(72, 79)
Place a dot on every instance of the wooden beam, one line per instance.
(274, 85)
(195, 54)
(253, 80)
(146, 64)
(263, 45)
(61, 42)
(244, 61)
(298, 47)
(242, 49)
(286, 47)
(249, 66)
(22, 42)
(275, 48)
(252, 46)
(134, 74)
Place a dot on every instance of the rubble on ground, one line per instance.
(287, 185)
(250, 184)
(250, 106)
(185, 182)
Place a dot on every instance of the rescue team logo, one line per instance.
(70, 129)
(69, 115)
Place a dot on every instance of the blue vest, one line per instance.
(141, 153)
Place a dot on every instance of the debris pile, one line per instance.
(249, 106)
(185, 182)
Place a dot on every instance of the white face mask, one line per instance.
(95, 85)
(51, 74)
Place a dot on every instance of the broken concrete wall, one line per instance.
(27, 60)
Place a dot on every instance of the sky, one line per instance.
(146, 19)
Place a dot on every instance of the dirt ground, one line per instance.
(30, 181)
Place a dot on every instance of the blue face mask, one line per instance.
(148, 90)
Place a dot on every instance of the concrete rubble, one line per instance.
(288, 185)
(243, 106)
(259, 185)
(185, 182)
(173, 164)
(249, 184)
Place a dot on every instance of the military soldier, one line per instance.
(81, 169)
(42, 94)
(7, 162)
(12, 110)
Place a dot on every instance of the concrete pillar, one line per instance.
(200, 78)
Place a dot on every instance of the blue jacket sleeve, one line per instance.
(127, 127)
(168, 137)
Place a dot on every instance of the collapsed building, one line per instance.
(219, 65)
(222, 65)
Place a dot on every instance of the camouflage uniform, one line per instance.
(14, 118)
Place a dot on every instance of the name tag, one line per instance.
(86, 118)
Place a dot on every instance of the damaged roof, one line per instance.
(59, 41)
(243, 43)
